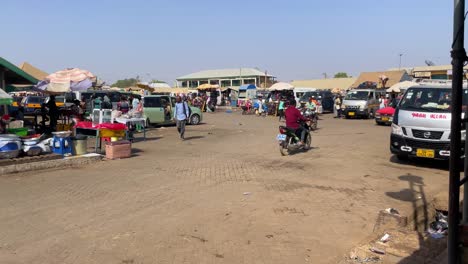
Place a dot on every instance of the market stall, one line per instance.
(279, 91)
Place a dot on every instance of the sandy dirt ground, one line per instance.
(225, 195)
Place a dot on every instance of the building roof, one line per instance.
(393, 77)
(14, 75)
(410, 70)
(223, 73)
(433, 68)
(33, 71)
(340, 83)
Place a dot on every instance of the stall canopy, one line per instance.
(398, 87)
(5, 99)
(10, 74)
(207, 86)
(67, 80)
(247, 87)
(281, 86)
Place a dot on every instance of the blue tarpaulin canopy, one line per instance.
(247, 87)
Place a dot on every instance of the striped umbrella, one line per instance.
(67, 80)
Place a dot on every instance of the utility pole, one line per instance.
(458, 58)
(399, 65)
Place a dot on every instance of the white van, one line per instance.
(421, 124)
(361, 103)
(300, 91)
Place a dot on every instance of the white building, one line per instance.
(227, 77)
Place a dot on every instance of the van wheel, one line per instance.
(195, 119)
(148, 122)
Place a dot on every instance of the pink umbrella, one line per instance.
(72, 79)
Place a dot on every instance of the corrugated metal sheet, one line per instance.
(393, 77)
(223, 73)
(340, 83)
(33, 71)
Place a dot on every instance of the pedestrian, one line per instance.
(106, 103)
(281, 109)
(181, 115)
(135, 102)
(53, 112)
(338, 106)
(123, 106)
(97, 103)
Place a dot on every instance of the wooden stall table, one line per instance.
(88, 129)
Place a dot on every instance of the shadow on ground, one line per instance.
(140, 139)
(194, 137)
(428, 248)
(422, 163)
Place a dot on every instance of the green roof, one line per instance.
(14, 75)
(224, 73)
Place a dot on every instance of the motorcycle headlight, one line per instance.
(396, 130)
(463, 135)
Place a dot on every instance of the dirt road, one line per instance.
(225, 195)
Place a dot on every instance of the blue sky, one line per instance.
(166, 39)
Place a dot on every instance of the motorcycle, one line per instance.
(289, 141)
(310, 114)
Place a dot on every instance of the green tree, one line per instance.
(125, 83)
(157, 81)
(341, 75)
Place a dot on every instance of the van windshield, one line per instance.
(308, 95)
(357, 95)
(429, 99)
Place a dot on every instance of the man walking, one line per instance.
(181, 115)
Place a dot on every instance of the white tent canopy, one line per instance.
(281, 86)
(398, 87)
(5, 98)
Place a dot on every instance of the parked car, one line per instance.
(384, 116)
(32, 104)
(13, 108)
(155, 113)
(362, 103)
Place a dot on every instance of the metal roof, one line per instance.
(224, 73)
(33, 71)
(14, 75)
(393, 77)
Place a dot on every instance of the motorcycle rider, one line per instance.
(293, 116)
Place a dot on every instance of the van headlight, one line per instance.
(463, 135)
(396, 130)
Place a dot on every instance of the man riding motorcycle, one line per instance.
(313, 103)
(293, 117)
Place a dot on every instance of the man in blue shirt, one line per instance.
(181, 115)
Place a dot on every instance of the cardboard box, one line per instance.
(118, 149)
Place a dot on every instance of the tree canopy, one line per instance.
(125, 83)
(341, 75)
